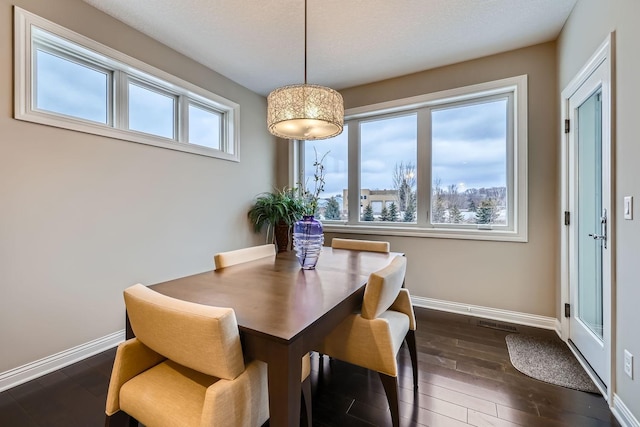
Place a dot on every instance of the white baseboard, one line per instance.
(33, 370)
(489, 313)
(623, 414)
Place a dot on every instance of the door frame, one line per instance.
(602, 57)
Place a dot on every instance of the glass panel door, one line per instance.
(591, 218)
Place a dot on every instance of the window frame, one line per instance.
(510, 184)
(69, 56)
(516, 231)
(159, 90)
(208, 109)
(31, 31)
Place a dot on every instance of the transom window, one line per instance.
(450, 164)
(66, 80)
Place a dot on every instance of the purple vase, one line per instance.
(308, 239)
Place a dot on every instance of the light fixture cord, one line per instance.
(305, 41)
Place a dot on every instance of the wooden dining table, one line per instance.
(283, 311)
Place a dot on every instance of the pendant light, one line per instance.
(305, 111)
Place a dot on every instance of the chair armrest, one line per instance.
(243, 401)
(403, 305)
(132, 358)
(369, 343)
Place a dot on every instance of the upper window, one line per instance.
(66, 80)
(88, 87)
(450, 164)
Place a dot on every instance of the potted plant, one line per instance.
(278, 210)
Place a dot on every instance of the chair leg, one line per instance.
(306, 398)
(390, 385)
(411, 343)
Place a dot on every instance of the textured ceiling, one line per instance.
(260, 44)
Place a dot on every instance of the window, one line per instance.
(450, 164)
(87, 87)
(66, 80)
(469, 164)
(388, 150)
(205, 126)
(151, 110)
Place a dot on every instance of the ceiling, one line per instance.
(260, 44)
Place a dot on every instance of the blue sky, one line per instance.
(85, 89)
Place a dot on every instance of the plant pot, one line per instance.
(281, 231)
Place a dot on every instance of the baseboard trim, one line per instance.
(33, 370)
(489, 313)
(623, 414)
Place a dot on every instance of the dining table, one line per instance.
(282, 310)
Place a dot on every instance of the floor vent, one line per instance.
(494, 325)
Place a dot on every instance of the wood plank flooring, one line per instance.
(465, 376)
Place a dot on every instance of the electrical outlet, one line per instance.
(628, 364)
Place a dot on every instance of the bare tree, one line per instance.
(404, 181)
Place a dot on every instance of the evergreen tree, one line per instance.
(410, 211)
(472, 205)
(455, 216)
(332, 211)
(486, 212)
(368, 213)
(384, 214)
(393, 212)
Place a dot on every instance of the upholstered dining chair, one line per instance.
(373, 337)
(252, 253)
(185, 367)
(360, 245)
(238, 256)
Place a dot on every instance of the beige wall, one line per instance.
(82, 216)
(586, 29)
(521, 277)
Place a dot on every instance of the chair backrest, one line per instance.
(227, 259)
(383, 287)
(360, 245)
(197, 336)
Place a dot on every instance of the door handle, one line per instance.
(603, 227)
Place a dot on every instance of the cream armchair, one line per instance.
(252, 253)
(185, 367)
(373, 337)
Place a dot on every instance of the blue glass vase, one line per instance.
(308, 239)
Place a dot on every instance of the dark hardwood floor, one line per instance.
(464, 371)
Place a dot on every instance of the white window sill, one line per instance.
(417, 231)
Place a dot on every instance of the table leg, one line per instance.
(284, 370)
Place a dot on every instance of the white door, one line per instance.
(589, 221)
